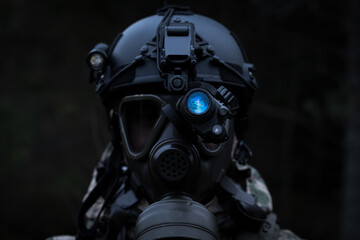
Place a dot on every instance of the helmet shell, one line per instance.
(140, 37)
(144, 30)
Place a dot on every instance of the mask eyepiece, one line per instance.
(197, 106)
(205, 114)
(198, 103)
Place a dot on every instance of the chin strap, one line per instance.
(251, 217)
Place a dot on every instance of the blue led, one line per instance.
(198, 103)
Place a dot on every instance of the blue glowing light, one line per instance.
(198, 103)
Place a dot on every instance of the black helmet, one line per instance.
(170, 52)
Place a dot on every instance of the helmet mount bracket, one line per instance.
(176, 52)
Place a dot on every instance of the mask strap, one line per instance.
(252, 215)
(178, 121)
(112, 177)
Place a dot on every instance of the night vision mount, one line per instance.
(176, 52)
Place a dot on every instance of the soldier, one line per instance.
(176, 87)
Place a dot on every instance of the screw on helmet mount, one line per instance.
(176, 51)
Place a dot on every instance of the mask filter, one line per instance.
(176, 217)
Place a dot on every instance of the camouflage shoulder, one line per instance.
(104, 156)
(285, 234)
(256, 186)
(95, 209)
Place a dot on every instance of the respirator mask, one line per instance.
(176, 144)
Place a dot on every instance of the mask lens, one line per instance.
(198, 103)
(212, 146)
(140, 118)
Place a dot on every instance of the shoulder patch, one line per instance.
(256, 186)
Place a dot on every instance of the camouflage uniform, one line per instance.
(254, 184)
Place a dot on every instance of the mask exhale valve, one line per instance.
(174, 161)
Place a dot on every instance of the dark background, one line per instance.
(304, 132)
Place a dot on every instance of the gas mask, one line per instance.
(177, 144)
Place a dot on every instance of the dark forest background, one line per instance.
(305, 119)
